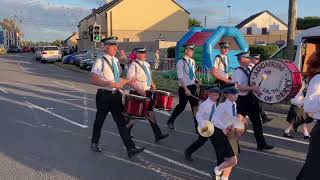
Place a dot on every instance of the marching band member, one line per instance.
(187, 86)
(247, 103)
(221, 65)
(106, 74)
(225, 137)
(255, 59)
(206, 111)
(143, 85)
(312, 107)
(296, 115)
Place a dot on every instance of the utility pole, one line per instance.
(229, 7)
(205, 21)
(292, 23)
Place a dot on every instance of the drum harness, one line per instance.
(111, 67)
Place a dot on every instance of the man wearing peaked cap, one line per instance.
(205, 113)
(247, 103)
(109, 41)
(230, 90)
(188, 81)
(105, 74)
(220, 68)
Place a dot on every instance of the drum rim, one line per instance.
(137, 96)
(282, 61)
(161, 91)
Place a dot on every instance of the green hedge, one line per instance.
(264, 51)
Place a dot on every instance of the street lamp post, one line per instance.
(229, 7)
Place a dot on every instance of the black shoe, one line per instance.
(170, 125)
(162, 136)
(187, 156)
(287, 135)
(266, 119)
(267, 147)
(134, 151)
(95, 147)
(306, 137)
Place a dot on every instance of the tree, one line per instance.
(292, 25)
(56, 43)
(308, 22)
(193, 22)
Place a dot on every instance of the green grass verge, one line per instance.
(166, 84)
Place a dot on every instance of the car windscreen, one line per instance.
(50, 49)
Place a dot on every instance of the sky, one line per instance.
(49, 20)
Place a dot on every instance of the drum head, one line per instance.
(209, 132)
(163, 92)
(135, 96)
(275, 80)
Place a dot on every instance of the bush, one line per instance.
(264, 51)
(171, 52)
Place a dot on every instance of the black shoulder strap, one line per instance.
(243, 70)
(141, 67)
(184, 59)
(110, 66)
(221, 61)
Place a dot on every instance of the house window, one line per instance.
(125, 39)
(264, 30)
(249, 30)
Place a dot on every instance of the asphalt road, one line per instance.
(47, 115)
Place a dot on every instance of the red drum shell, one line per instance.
(136, 106)
(162, 100)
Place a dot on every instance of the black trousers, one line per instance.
(183, 100)
(107, 101)
(154, 125)
(248, 106)
(311, 167)
(197, 144)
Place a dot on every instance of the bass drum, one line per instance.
(278, 80)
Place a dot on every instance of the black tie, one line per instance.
(234, 111)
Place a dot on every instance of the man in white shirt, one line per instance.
(255, 59)
(247, 103)
(187, 86)
(105, 74)
(143, 85)
(205, 113)
(221, 65)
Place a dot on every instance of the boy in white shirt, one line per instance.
(205, 113)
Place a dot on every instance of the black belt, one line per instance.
(107, 91)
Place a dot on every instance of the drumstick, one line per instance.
(195, 97)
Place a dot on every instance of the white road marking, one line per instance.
(162, 112)
(25, 123)
(177, 163)
(49, 108)
(56, 115)
(200, 157)
(4, 91)
(250, 131)
(71, 87)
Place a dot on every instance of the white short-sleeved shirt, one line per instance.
(242, 78)
(107, 73)
(137, 73)
(204, 111)
(219, 65)
(312, 98)
(223, 113)
(183, 71)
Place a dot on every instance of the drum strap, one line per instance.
(148, 75)
(222, 60)
(110, 66)
(186, 62)
(246, 72)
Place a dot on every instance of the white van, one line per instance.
(307, 44)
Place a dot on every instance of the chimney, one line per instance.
(108, 1)
(93, 10)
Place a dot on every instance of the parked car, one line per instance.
(87, 64)
(67, 59)
(48, 54)
(26, 50)
(261, 43)
(38, 51)
(89, 54)
(13, 50)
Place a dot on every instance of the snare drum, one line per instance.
(136, 106)
(162, 100)
(278, 80)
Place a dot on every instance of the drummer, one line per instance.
(221, 65)
(255, 59)
(206, 110)
(105, 74)
(143, 85)
(187, 86)
(247, 103)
